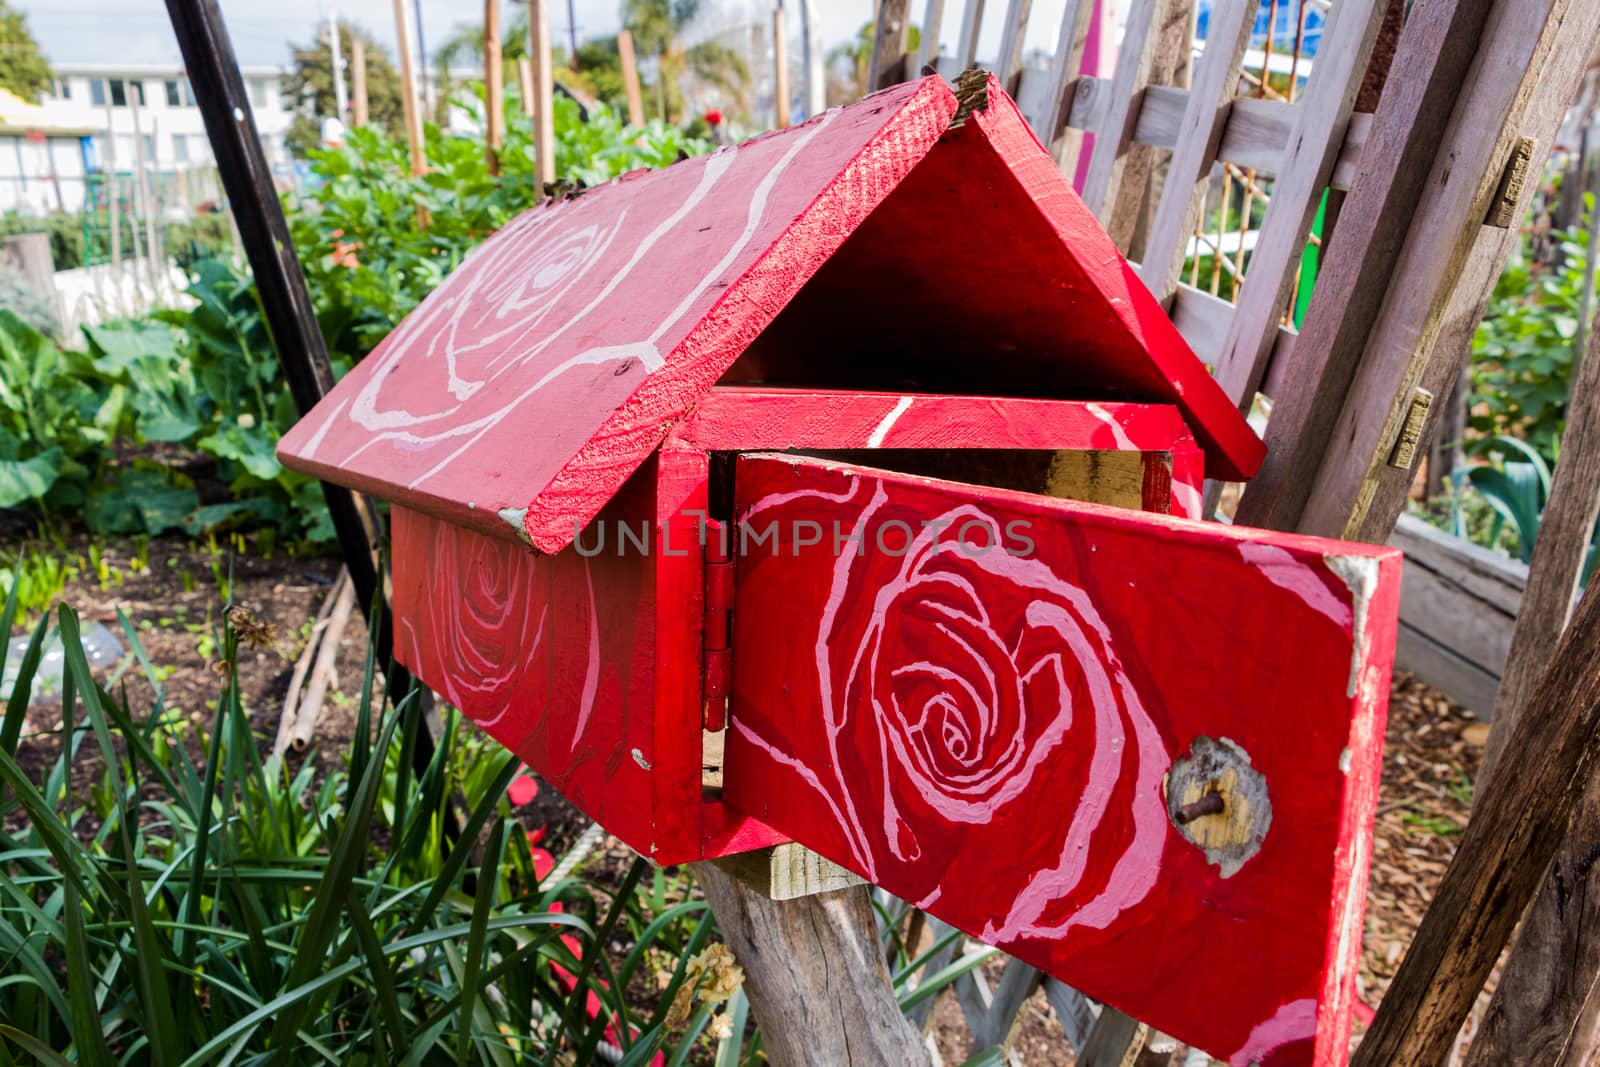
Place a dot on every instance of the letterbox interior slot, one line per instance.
(1101, 477)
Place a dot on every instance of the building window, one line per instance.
(97, 92)
(258, 92)
(121, 89)
(60, 89)
(179, 92)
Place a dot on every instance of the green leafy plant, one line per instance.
(197, 904)
(368, 257)
(1516, 491)
(1523, 348)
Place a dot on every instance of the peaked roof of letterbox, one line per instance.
(548, 366)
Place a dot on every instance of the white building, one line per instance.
(43, 166)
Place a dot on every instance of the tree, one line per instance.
(847, 64)
(23, 68)
(597, 73)
(309, 87)
(658, 27)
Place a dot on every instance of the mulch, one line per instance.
(171, 593)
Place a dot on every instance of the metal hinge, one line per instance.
(717, 655)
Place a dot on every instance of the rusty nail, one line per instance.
(1210, 804)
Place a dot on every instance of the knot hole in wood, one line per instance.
(1218, 802)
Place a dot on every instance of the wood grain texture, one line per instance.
(1132, 197)
(1322, 115)
(1521, 84)
(949, 696)
(1516, 830)
(1136, 60)
(890, 26)
(1541, 1007)
(1065, 70)
(1256, 134)
(1458, 605)
(818, 988)
(787, 872)
(1359, 262)
(1205, 115)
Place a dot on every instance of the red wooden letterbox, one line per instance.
(858, 455)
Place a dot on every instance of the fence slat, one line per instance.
(1064, 69)
(1114, 134)
(1308, 157)
(1199, 135)
(928, 48)
(971, 26)
(1016, 28)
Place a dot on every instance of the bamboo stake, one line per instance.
(493, 85)
(525, 84)
(358, 81)
(408, 88)
(780, 57)
(543, 82)
(630, 77)
(310, 709)
(302, 664)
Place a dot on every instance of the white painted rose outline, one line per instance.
(988, 761)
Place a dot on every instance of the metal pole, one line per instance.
(242, 166)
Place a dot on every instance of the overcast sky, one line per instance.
(137, 31)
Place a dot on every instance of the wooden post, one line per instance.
(525, 83)
(780, 59)
(630, 77)
(1521, 820)
(493, 86)
(543, 81)
(784, 948)
(1408, 270)
(408, 88)
(358, 81)
(889, 45)
(1539, 1012)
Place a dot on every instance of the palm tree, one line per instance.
(657, 27)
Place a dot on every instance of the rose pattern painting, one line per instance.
(983, 714)
(563, 319)
(517, 642)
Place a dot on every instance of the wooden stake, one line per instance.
(780, 58)
(304, 723)
(493, 85)
(147, 205)
(630, 77)
(302, 664)
(1517, 830)
(358, 81)
(543, 79)
(408, 88)
(1539, 1007)
(525, 83)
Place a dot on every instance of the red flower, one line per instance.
(523, 789)
(714, 117)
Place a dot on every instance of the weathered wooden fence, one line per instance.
(1418, 192)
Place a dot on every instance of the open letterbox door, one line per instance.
(1139, 752)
